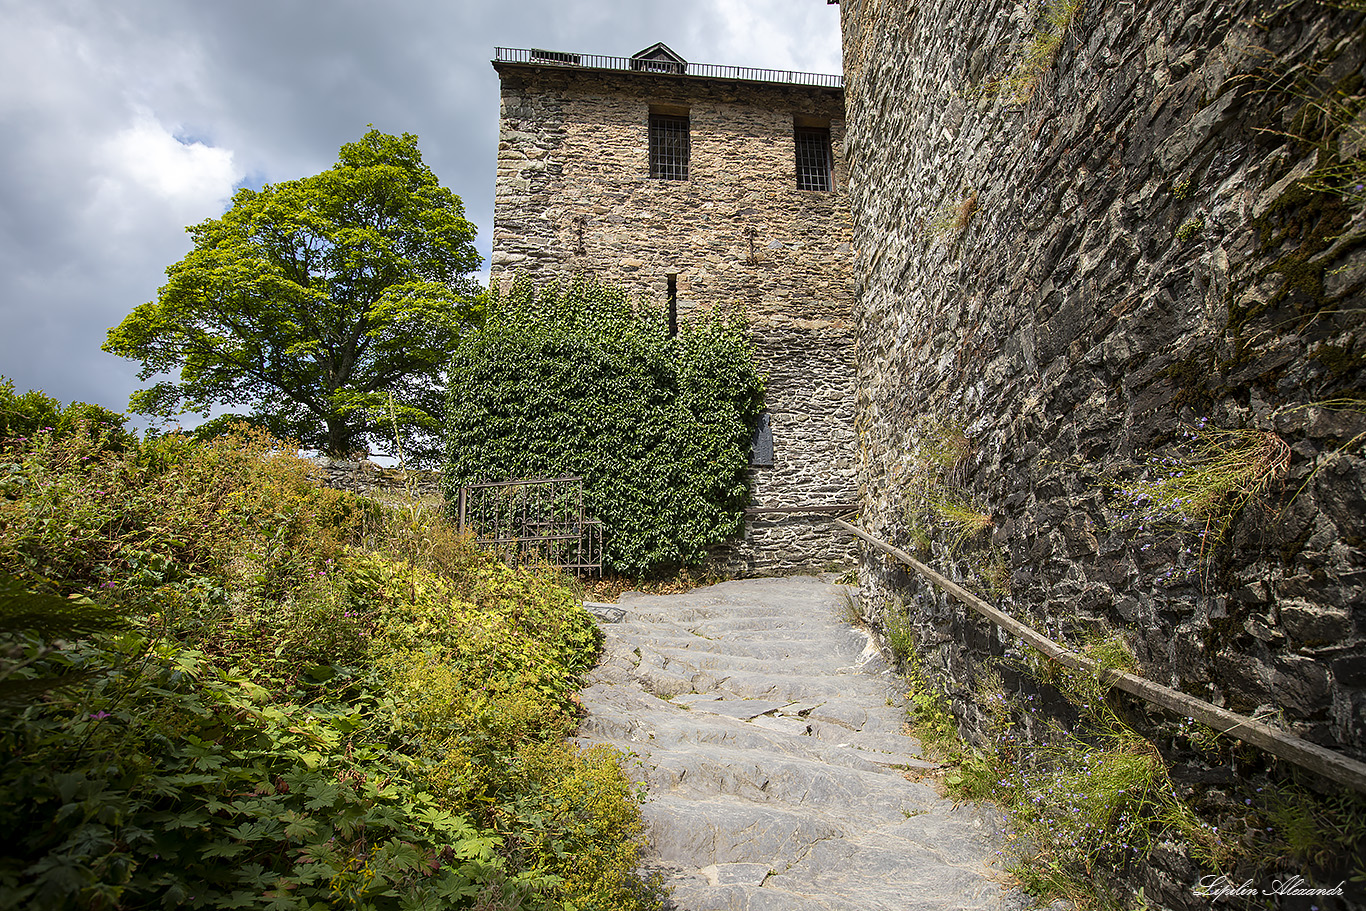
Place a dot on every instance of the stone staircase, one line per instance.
(770, 735)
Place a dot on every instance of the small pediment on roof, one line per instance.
(659, 58)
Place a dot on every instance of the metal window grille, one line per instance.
(813, 158)
(669, 147)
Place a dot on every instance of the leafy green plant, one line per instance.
(1313, 828)
(274, 695)
(581, 815)
(34, 626)
(927, 709)
(173, 781)
(34, 414)
(578, 380)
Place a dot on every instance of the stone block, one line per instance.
(1244, 681)
(1315, 624)
(1349, 670)
(1301, 685)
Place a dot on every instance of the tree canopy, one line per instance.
(316, 303)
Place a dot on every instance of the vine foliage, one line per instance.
(582, 380)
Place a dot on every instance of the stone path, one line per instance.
(770, 732)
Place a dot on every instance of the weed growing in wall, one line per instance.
(1056, 18)
(1079, 800)
(1332, 123)
(927, 709)
(1202, 483)
(993, 570)
(952, 219)
(938, 509)
(1085, 798)
(1190, 229)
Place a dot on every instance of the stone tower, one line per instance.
(703, 186)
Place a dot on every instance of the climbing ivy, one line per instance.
(581, 380)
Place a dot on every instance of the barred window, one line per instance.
(813, 158)
(669, 145)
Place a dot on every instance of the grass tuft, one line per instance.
(1206, 482)
(1042, 49)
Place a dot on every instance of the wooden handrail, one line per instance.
(1321, 760)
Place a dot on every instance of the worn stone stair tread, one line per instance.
(701, 896)
(695, 832)
(743, 709)
(890, 872)
(747, 737)
(795, 781)
(703, 660)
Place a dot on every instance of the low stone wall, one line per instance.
(368, 478)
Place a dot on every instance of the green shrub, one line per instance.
(580, 815)
(268, 694)
(171, 782)
(575, 381)
(242, 509)
(35, 414)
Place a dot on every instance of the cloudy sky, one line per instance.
(125, 121)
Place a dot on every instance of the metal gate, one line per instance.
(534, 521)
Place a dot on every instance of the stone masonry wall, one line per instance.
(574, 196)
(1167, 236)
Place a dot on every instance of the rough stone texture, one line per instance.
(368, 478)
(574, 195)
(1144, 255)
(770, 737)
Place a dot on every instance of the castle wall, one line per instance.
(574, 195)
(1059, 288)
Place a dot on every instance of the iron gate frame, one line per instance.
(532, 520)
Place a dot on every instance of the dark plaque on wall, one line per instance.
(761, 453)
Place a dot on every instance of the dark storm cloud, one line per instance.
(126, 122)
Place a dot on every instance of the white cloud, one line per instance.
(189, 177)
(779, 34)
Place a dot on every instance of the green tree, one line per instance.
(316, 303)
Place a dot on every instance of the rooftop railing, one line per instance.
(538, 57)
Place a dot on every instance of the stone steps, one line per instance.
(771, 740)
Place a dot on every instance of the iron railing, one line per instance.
(538, 57)
(534, 521)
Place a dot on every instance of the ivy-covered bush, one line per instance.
(581, 380)
(224, 686)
